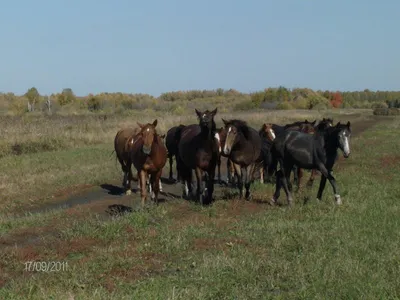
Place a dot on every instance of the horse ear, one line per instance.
(306, 121)
(323, 119)
(264, 126)
(198, 112)
(214, 112)
(348, 124)
(313, 123)
(225, 121)
(140, 124)
(338, 124)
(155, 123)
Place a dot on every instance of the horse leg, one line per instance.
(178, 172)
(232, 173)
(159, 183)
(312, 178)
(286, 171)
(143, 189)
(278, 186)
(155, 181)
(199, 178)
(248, 180)
(262, 174)
(210, 186)
(219, 169)
(238, 171)
(170, 167)
(327, 175)
(299, 176)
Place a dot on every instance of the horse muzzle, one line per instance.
(346, 155)
(227, 150)
(146, 150)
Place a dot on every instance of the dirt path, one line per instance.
(99, 198)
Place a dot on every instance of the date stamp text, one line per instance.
(46, 266)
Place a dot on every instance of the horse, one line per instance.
(171, 142)
(122, 148)
(275, 130)
(322, 125)
(149, 156)
(198, 150)
(267, 136)
(243, 147)
(220, 135)
(317, 151)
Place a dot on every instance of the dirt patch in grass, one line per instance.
(388, 161)
(216, 243)
(76, 245)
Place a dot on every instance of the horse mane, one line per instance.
(241, 126)
(298, 123)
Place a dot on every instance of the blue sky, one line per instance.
(154, 46)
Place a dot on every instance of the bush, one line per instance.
(381, 112)
(284, 105)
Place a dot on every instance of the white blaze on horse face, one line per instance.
(272, 132)
(148, 129)
(227, 135)
(346, 145)
(219, 141)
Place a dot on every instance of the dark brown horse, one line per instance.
(243, 147)
(221, 137)
(171, 142)
(198, 150)
(122, 148)
(149, 156)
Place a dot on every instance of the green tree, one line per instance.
(33, 97)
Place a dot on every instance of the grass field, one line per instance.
(179, 250)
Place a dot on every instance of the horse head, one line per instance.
(235, 129)
(268, 131)
(148, 133)
(206, 119)
(343, 134)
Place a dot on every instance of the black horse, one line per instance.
(171, 142)
(318, 151)
(243, 146)
(273, 130)
(198, 150)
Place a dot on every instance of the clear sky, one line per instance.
(154, 46)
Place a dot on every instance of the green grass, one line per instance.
(232, 250)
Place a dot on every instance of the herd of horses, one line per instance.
(200, 147)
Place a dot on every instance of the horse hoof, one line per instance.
(338, 200)
(128, 192)
(272, 201)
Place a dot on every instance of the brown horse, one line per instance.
(171, 142)
(221, 137)
(198, 150)
(243, 146)
(122, 148)
(149, 156)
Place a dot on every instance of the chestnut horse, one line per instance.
(149, 156)
(122, 148)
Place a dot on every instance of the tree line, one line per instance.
(269, 98)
